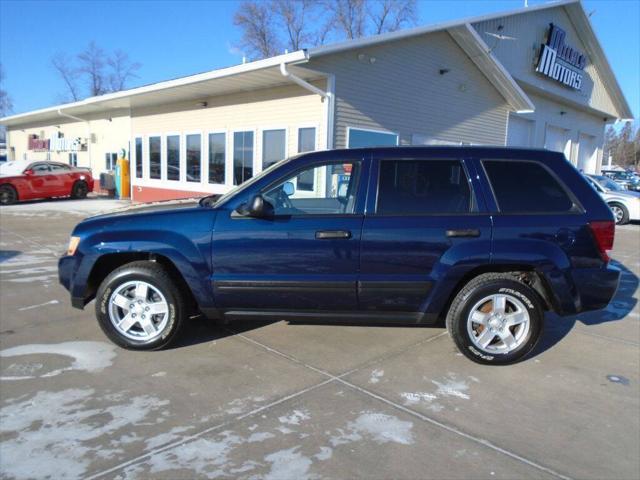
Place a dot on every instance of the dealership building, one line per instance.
(532, 77)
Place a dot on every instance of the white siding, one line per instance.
(519, 56)
(403, 92)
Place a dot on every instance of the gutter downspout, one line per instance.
(328, 95)
(78, 119)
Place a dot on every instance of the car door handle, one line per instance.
(333, 234)
(470, 232)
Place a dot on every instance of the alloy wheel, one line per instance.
(498, 323)
(138, 310)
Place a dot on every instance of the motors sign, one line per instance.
(56, 143)
(560, 61)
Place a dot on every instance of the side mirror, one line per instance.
(28, 171)
(288, 188)
(258, 207)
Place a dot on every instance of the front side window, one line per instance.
(334, 193)
(173, 157)
(242, 157)
(155, 145)
(526, 187)
(217, 154)
(368, 138)
(138, 169)
(194, 158)
(273, 147)
(423, 187)
(40, 168)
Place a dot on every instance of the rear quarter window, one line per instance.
(527, 187)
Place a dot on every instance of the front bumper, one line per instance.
(71, 277)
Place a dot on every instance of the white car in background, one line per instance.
(624, 204)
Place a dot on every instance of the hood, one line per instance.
(152, 207)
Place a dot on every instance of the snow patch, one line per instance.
(376, 375)
(295, 418)
(87, 356)
(288, 464)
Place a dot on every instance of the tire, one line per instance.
(162, 295)
(481, 298)
(620, 213)
(8, 195)
(79, 189)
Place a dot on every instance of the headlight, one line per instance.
(73, 245)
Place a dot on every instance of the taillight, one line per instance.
(603, 233)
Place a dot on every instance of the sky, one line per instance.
(174, 38)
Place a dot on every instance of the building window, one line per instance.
(138, 159)
(217, 154)
(273, 147)
(242, 157)
(73, 159)
(155, 145)
(194, 157)
(359, 138)
(306, 139)
(110, 160)
(173, 157)
(306, 143)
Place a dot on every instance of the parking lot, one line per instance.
(293, 401)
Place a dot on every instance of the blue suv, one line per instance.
(486, 239)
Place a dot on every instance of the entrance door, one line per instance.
(558, 140)
(304, 257)
(587, 154)
(424, 212)
(520, 132)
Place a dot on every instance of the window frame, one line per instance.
(371, 130)
(272, 128)
(146, 153)
(362, 183)
(183, 159)
(316, 146)
(136, 159)
(164, 157)
(474, 207)
(207, 146)
(256, 155)
(576, 209)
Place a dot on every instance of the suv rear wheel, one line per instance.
(139, 307)
(495, 319)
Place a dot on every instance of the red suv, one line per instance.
(27, 180)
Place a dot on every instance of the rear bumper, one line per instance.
(595, 287)
(582, 289)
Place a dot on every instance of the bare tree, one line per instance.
(349, 17)
(293, 15)
(392, 15)
(6, 105)
(122, 70)
(256, 20)
(92, 66)
(68, 74)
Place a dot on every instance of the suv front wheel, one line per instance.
(139, 307)
(495, 319)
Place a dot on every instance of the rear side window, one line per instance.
(526, 187)
(423, 187)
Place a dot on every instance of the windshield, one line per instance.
(608, 184)
(231, 193)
